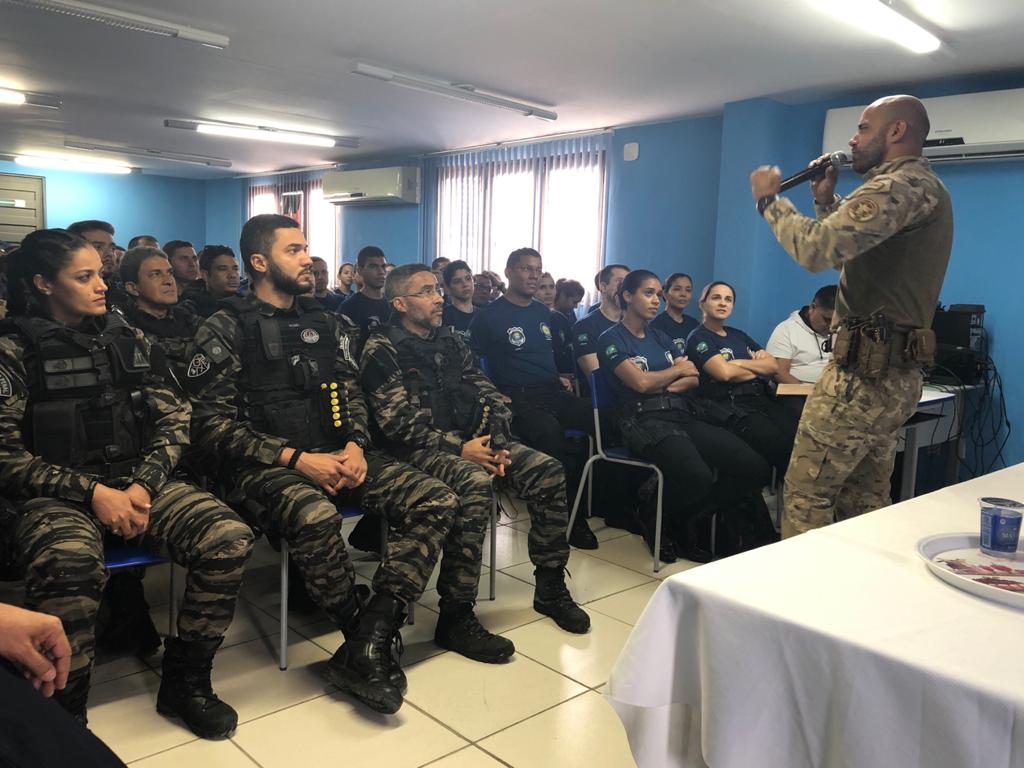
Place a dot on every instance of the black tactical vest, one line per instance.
(287, 387)
(176, 334)
(85, 409)
(432, 375)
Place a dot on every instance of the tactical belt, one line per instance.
(745, 389)
(531, 389)
(660, 403)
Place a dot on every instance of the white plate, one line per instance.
(932, 547)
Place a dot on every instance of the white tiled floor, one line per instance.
(543, 708)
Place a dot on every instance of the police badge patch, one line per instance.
(199, 366)
(546, 331)
(309, 335)
(516, 337)
(6, 390)
(640, 362)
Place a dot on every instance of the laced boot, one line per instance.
(186, 691)
(459, 630)
(552, 598)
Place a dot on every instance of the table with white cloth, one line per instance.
(834, 648)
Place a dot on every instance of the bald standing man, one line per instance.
(890, 239)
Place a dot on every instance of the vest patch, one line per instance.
(6, 390)
(199, 365)
(309, 335)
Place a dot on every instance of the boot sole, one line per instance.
(485, 658)
(172, 714)
(359, 689)
(576, 630)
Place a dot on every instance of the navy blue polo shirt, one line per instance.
(586, 332)
(561, 332)
(458, 320)
(702, 345)
(517, 342)
(675, 331)
(365, 312)
(654, 352)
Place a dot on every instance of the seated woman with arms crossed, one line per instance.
(734, 374)
(660, 419)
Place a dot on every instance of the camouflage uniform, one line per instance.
(418, 508)
(58, 537)
(416, 434)
(891, 239)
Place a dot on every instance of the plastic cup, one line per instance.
(1000, 526)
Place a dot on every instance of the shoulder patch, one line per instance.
(610, 350)
(6, 390)
(862, 210)
(198, 366)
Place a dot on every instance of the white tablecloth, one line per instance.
(835, 648)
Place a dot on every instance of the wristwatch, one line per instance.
(359, 439)
(764, 202)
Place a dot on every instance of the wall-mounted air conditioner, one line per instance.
(376, 186)
(969, 126)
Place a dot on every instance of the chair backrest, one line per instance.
(129, 556)
(602, 399)
(485, 367)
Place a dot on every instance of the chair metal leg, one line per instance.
(590, 482)
(584, 480)
(657, 521)
(492, 576)
(283, 653)
(172, 606)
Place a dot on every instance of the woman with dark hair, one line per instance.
(734, 378)
(672, 322)
(568, 295)
(546, 290)
(661, 421)
(89, 439)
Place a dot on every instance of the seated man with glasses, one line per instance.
(437, 411)
(799, 344)
(514, 334)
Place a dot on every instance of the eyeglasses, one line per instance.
(530, 270)
(428, 292)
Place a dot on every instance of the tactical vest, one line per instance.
(287, 387)
(432, 375)
(85, 409)
(176, 335)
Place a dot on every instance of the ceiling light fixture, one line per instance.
(69, 163)
(28, 98)
(453, 90)
(882, 18)
(156, 154)
(262, 133)
(124, 20)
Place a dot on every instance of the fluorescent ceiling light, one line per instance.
(262, 133)
(68, 163)
(455, 91)
(124, 20)
(157, 154)
(880, 17)
(28, 98)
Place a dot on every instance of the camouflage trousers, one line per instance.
(286, 503)
(846, 446)
(61, 545)
(536, 477)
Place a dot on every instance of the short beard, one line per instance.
(282, 282)
(869, 155)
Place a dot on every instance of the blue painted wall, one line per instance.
(397, 229)
(225, 210)
(661, 206)
(166, 207)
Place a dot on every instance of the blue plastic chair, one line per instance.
(602, 399)
(128, 556)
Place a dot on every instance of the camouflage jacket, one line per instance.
(401, 421)
(218, 424)
(891, 238)
(23, 475)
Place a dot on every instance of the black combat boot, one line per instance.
(357, 600)
(362, 666)
(186, 692)
(459, 630)
(74, 695)
(552, 598)
(581, 536)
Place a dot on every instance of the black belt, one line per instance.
(659, 403)
(531, 389)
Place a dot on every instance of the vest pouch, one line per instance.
(289, 421)
(920, 347)
(305, 373)
(59, 435)
(130, 362)
(842, 347)
(873, 356)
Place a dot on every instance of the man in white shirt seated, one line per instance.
(798, 341)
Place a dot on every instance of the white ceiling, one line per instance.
(598, 63)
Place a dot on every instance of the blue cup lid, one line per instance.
(995, 501)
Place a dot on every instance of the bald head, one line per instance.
(908, 109)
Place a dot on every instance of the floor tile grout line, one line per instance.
(529, 717)
(239, 748)
(440, 722)
(158, 752)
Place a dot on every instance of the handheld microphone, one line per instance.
(836, 160)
